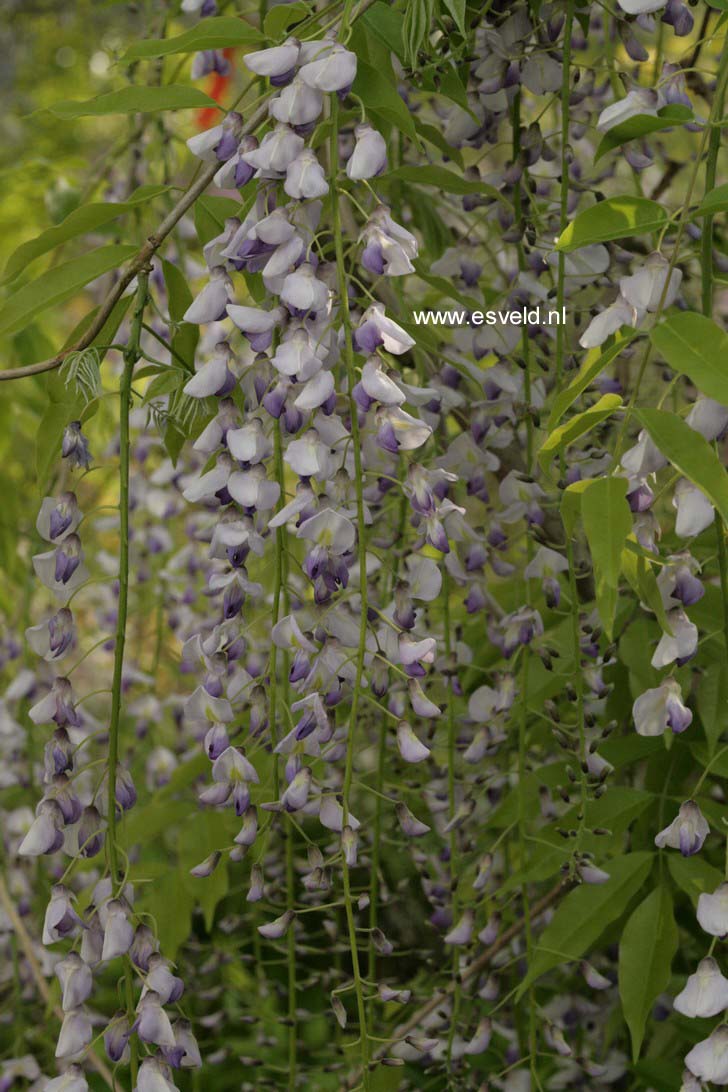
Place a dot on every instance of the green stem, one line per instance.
(520, 222)
(523, 720)
(362, 557)
(706, 268)
(280, 597)
(564, 196)
(381, 767)
(131, 356)
(451, 733)
(578, 681)
(707, 135)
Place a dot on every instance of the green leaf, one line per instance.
(186, 336)
(694, 875)
(581, 423)
(170, 904)
(434, 137)
(642, 125)
(450, 87)
(382, 100)
(49, 436)
(594, 364)
(690, 454)
(697, 347)
(212, 33)
(442, 179)
(570, 508)
(615, 218)
(713, 702)
(446, 288)
(714, 201)
(81, 221)
(206, 833)
(211, 214)
(283, 16)
(58, 284)
(638, 570)
(646, 950)
(585, 913)
(134, 100)
(435, 232)
(385, 24)
(418, 15)
(456, 8)
(607, 522)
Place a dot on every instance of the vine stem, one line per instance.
(564, 195)
(280, 597)
(451, 731)
(560, 353)
(470, 973)
(707, 139)
(523, 718)
(362, 557)
(706, 273)
(131, 356)
(381, 763)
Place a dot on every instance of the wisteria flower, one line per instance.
(686, 832)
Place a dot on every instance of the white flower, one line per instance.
(305, 177)
(315, 392)
(75, 1035)
(214, 376)
(369, 157)
(331, 815)
(330, 529)
(713, 911)
(376, 329)
(73, 1080)
(332, 67)
(709, 1059)
(401, 430)
(249, 444)
(644, 458)
(545, 562)
(210, 304)
(694, 510)
(154, 1077)
(681, 645)
(641, 7)
(705, 992)
(644, 289)
(277, 149)
(378, 386)
(661, 708)
(641, 101)
(118, 931)
(303, 292)
(410, 747)
(297, 104)
(277, 61)
(424, 577)
(686, 832)
(607, 322)
(708, 417)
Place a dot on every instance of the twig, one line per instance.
(26, 944)
(476, 967)
(137, 263)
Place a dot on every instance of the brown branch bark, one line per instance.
(140, 261)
